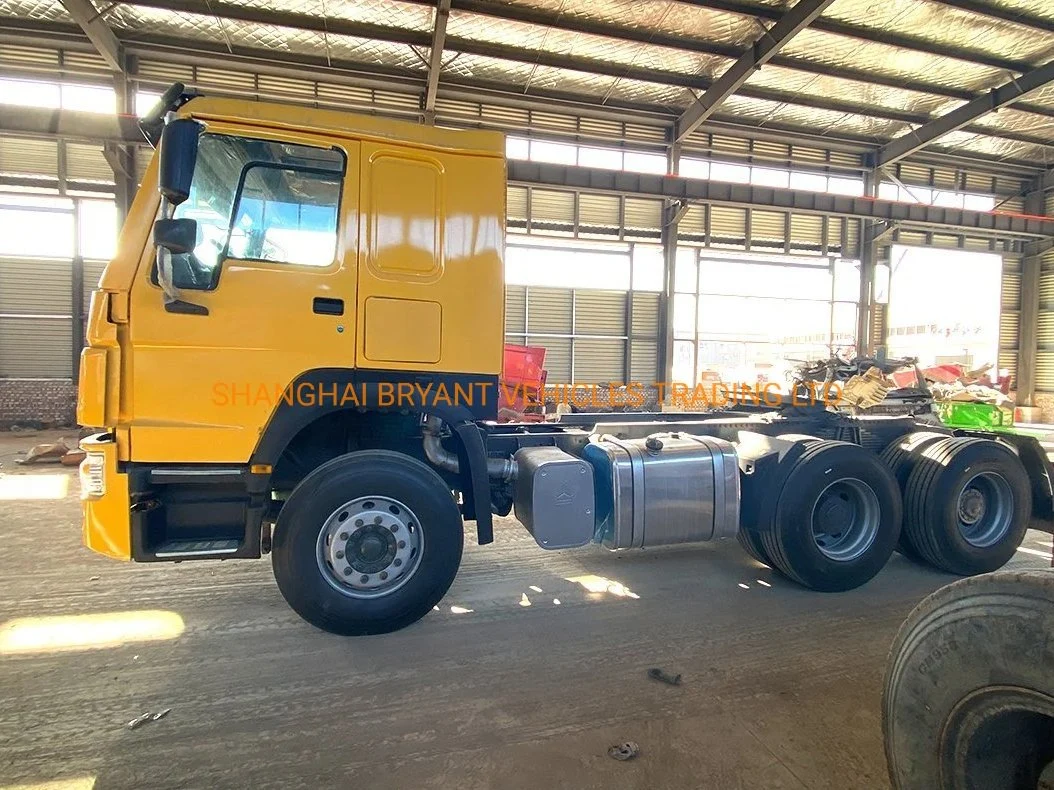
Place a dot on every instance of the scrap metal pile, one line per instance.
(898, 385)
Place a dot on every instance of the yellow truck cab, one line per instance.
(297, 350)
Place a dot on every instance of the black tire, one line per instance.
(935, 490)
(368, 473)
(790, 541)
(900, 456)
(751, 543)
(968, 700)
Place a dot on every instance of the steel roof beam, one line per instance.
(732, 79)
(579, 24)
(435, 59)
(1002, 13)
(869, 34)
(961, 116)
(98, 32)
(552, 59)
(475, 90)
(176, 50)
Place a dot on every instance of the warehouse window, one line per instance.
(567, 264)
(944, 305)
(745, 319)
(909, 193)
(36, 225)
(584, 156)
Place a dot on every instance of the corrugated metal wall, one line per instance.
(1010, 315)
(36, 315)
(541, 210)
(1045, 327)
(585, 332)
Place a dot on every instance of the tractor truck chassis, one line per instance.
(370, 540)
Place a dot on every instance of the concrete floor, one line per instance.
(500, 688)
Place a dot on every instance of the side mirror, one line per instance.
(178, 236)
(178, 155)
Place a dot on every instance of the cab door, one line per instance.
(273, 276)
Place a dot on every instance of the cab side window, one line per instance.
(260, 200)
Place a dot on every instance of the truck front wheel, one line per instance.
(367, 543)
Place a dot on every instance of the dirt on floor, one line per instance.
(528, 671)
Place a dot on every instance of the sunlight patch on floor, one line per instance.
(599, 584)
(27, 635)
(26, 487)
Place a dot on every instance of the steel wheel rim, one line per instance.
(370, 547)
(845, 519)
(985, 509)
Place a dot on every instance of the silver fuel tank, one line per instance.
(666, 488)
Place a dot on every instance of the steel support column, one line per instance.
(868, 250)
(121, 158)
(77, 294)
(1028, 323)
(671, 214)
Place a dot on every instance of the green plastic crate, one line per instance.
(960, 414)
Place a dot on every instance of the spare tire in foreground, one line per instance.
(968, 702)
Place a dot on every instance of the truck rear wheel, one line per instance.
(837, 518)
(900, 456)
(967, 505)
(751, 543)
(968, 699)
(367, 543)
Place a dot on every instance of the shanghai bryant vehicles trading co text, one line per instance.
(276, 246)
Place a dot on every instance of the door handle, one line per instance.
(325, 306)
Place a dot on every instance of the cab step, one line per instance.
(176, 549)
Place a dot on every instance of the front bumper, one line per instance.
(107, 515)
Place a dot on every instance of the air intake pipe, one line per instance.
(503, 469)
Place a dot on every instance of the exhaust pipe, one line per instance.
(503, 469)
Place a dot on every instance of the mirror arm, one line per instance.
(174, 303)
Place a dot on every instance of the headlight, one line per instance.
(93, 478)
